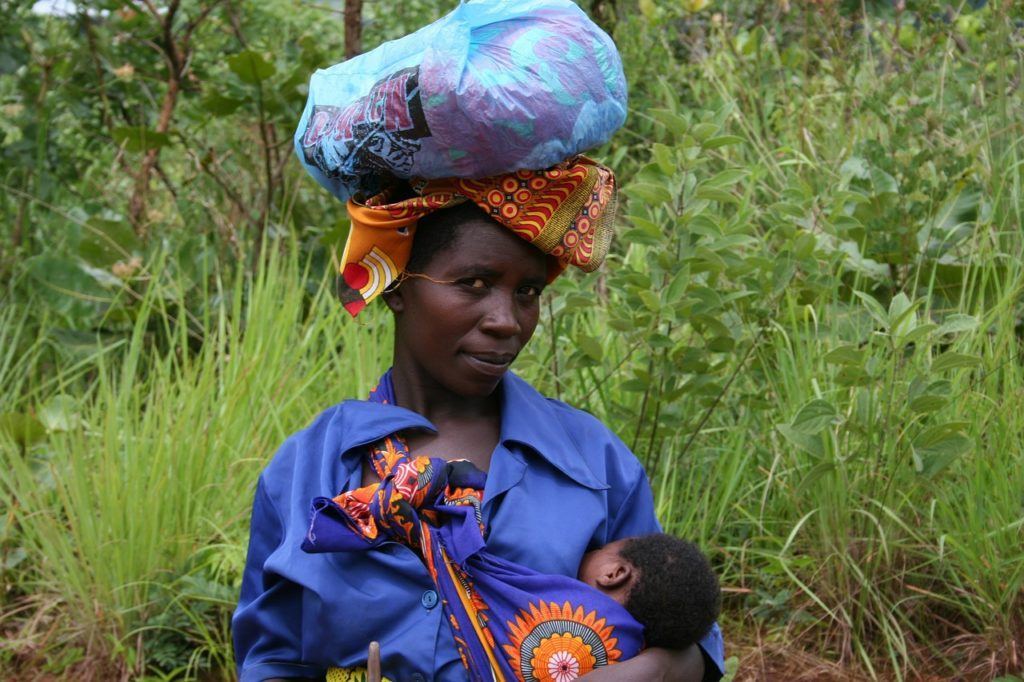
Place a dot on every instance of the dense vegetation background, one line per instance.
(810, 329)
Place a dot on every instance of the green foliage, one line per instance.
(809, 328)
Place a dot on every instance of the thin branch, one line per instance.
(721, 394)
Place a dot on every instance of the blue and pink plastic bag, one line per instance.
(492, 87)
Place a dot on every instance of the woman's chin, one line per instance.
(478, 378)
(486, 368)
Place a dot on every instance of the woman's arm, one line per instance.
(656, 665)
(267, 621)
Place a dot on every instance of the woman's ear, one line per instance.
(393, 299)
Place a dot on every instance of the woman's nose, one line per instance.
(502, 316)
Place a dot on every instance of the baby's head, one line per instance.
(664, 582)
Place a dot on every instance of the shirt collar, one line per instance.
(527, 418)
(530, 419)
(362, 422)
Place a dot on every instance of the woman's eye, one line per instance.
(474, 282)
(531, 291)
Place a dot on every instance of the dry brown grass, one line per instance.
(977, 657)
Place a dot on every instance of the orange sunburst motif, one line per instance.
(552, 643)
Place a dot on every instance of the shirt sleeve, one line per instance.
(267, 623)
(636, 517)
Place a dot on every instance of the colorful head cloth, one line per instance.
(566, 211)
(510, 623)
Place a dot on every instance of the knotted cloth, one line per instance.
(566, 211)
(508, 621)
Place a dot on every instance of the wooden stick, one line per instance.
(373, 663)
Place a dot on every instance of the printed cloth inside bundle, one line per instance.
(491, 88)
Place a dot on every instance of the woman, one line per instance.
(558, 481)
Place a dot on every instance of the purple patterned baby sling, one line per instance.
(509, 622)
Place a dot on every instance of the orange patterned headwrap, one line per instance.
(565, 211)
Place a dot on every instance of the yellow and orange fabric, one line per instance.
(566, 211)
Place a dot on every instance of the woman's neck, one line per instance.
(416, 391)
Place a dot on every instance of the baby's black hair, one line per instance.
(438, 231)
(676, 597)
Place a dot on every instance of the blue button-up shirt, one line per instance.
(559, 484)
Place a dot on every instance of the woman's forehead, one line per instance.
(483, 243)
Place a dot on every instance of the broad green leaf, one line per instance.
(882, 182)
(927, 403)
(23, 429)
(139, 138)
(806, 442)
(633, 385)
(938, 446)
(64, 281)
(675, 123)
(726, 178)
(730, 242)
(899, 306)
(950, 360)
(721, 141)
(664, 157)
(711, 324)
(714, 194)
(677, 287)
(816, 473)
(60, 413)
(721, 344)
(787, 209)
(845, 355)
(577, 302)
(703, 131)
(14, 557)
(875, 308)
(648, 226)
(854, 167)
(919, 332)
(104, 242)
(651, 300)
(650, 193)
(591, 346)
(814, 417)
(251, 67)
(640, 236)
(693, 361)
(219, 105)
(954, 324)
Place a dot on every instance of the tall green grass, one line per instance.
(154, 458)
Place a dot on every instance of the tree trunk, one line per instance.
(137, 206)
(353, 28)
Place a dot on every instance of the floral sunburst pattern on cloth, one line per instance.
(557, 643)
(508, 621)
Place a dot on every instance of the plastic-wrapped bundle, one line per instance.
(491, 88)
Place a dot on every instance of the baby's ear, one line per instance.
(616, 575)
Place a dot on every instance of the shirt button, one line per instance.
(429, 601)
(418, 677)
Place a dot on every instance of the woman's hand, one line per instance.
(655, 665)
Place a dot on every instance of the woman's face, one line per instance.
(463, 332)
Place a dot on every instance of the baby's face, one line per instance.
(606, 570)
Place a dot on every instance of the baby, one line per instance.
(665, 583)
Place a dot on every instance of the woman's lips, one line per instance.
(491, 364)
